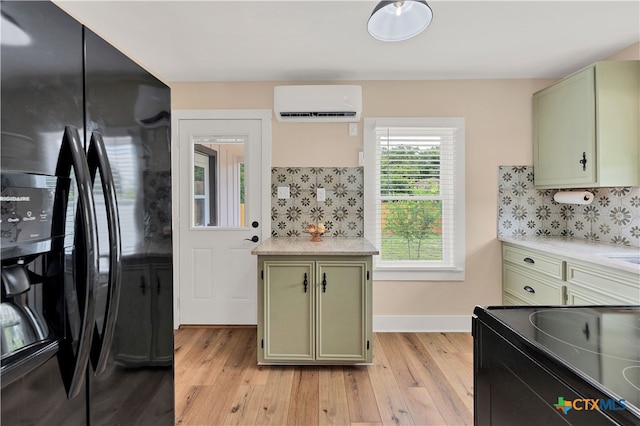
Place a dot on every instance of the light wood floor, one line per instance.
(415, 379)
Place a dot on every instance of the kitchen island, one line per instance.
(314, 300)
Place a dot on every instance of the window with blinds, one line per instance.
(414, 209)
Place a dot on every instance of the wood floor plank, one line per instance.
(182, 338)
(231, 375)
(184, 396)
(446, 343)
(463, 340)
(184, 341)
(403, 370)
(245, 405)
(333, 408)
(215, 397)
(461, 377)
(423, 409)
(219, 352)
(363, 407)
(450, 405)
(207, 350)
(391, 404)
(454, 355)
(209, 347)
(274, 408)
(416, 378)
(303, 408)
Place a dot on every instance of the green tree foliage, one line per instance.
(413, 221)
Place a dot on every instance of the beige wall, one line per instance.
(498, 132)
(629, 54)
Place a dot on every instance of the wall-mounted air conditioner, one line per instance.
(317, 103)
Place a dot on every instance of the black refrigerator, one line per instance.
(86, 316)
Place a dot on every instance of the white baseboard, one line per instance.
(424, 323)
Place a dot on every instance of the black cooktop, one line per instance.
(601, 342)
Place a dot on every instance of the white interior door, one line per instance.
(220, 211)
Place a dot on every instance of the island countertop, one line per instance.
(302, 246)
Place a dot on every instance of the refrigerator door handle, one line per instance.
(102, 339)
(72, 155)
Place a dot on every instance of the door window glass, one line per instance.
(219, 181)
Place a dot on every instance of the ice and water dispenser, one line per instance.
(31, 229)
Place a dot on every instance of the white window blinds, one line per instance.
(414, 211)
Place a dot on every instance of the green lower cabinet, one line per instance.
(589, 284)
(314, 311)
(576, 296)
(341, 304)
(532, 277)
(288, 311)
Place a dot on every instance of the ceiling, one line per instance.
(328, 40)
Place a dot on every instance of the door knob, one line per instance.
(255, 239)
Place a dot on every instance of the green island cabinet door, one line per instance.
(585, 128)
(287, 310)
(314, 310)
(341, 304)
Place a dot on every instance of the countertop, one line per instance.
(580, 249)
(302, 246)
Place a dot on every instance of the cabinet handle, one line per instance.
(586, 331)
(529, 260)
(305, 282)
(584, 161)
(529, 289)
(143, 284)
(324, 283)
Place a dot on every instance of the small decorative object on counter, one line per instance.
(315, 231)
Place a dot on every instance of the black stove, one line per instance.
(593, 351)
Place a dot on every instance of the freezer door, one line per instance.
(41, 84)
(129, 110)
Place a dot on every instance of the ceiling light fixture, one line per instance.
(399, 20)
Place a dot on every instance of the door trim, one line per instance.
(265, 116)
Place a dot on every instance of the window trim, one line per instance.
(401, 272)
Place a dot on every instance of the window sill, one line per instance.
(387, 274)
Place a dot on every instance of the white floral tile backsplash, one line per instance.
(613, 216)
(342, 211)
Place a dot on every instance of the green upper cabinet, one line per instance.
(586, 128)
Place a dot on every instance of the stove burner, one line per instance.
(582, 330)
(632, 375)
